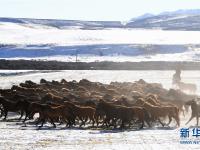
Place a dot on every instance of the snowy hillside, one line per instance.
(62, 40)
(177, 20)
(64, 24)
(26, 34)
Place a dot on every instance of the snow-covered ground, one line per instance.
(15, 136)
(13, 33)
(43, 42)
(105, 52)
(185, 56)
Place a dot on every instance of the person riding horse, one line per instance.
(176, 77)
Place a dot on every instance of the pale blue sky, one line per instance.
(122, 10)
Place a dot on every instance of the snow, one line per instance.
(61, 44)
(14, 135)
(17, 137)
(185, 56)
(12, 33)
(106, 52)
(169, 19)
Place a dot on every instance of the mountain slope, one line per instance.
(177, 20)
(62, 24)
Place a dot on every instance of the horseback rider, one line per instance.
(176, 77)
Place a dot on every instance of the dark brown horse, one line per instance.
(162, 111)
(195, 110)
(49, 113)
(82, 112)
(23, 106)
(115, 112)
(142, 115)
(9, 106)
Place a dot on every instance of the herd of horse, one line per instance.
(86, 103)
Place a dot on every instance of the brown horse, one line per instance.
(23, 106)
(169, 110)
(115, 112)
(162, 111)
(49, 113)
(9, 106)
(195, 110)
(54, 113)
(142, 115)
(82, 112)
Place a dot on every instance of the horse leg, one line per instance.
(22, 113)
(183, 112)
(26, 116)
(197, 117)
(86, 119)
(170, 120)
(142, 126)
(31, 115)
(161, 122)
(72, 120)
(148, 123)
(122, 125)
(2, 111)
(39, 120)
(82, 122)
(177, 120)
(114, 122)
(5, 114)
(93, 122)
(189, 119)
(52, 122)
(43, 120)
(97, 120)
(105, 122)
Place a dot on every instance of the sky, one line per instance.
(113, 10)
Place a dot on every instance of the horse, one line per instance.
(142, 115)
(23, 106)
(162, 111)
(82, 112)
(8, 106)
(195, 110)
(49, 113)
(115, 112)
(56, 113)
